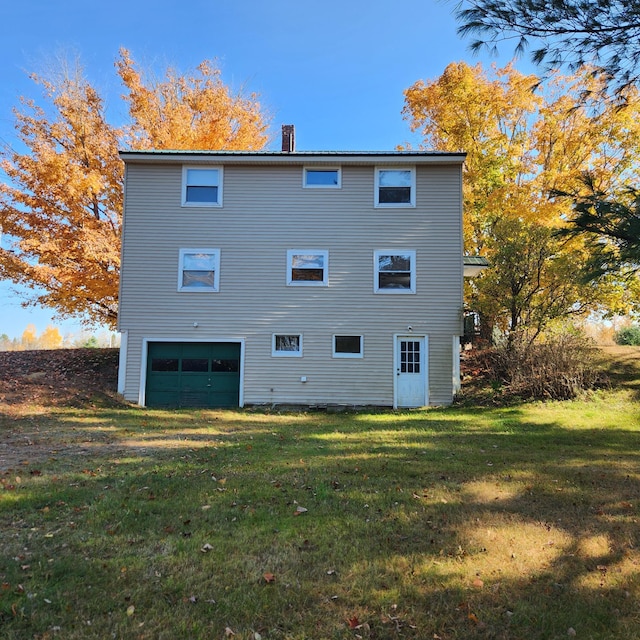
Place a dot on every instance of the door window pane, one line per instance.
(225, 366)
(409, 356)
(164, 364)
(195, 364)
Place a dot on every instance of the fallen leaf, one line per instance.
(229, 632)
(130, 610)
(269, 578)
(206, 548)
(300, 510)
(353, 623)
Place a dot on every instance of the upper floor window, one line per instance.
(307, 267)
(199, 270)
(395, 187)
(201, 187)
(322, 178)
(394, 271)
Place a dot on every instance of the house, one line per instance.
(291, 278)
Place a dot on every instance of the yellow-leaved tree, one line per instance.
(525, 141)
(61, 201)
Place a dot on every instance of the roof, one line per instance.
(295, 157)
(474, 265)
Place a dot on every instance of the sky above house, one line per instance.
(335, 69)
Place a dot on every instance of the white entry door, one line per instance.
(411, 371)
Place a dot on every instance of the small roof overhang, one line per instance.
(474, 265)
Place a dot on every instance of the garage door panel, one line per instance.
(199, 374)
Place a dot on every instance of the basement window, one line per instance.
(347, 347)
(286, 345)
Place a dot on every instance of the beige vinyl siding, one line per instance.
(266, 211)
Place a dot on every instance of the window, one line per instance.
(322, 178)
(394, 271)
(395, 188)
(347, 347)
(286, 345)
(199, 270)
(201, 187)
(307, 267)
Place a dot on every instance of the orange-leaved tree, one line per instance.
(61, 200)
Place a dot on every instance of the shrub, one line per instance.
(559, 368)
(628, 336)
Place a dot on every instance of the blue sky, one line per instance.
(336, 69)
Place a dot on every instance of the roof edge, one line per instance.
(296, 157)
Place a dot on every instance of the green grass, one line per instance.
(519, 522)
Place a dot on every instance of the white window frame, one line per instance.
(306, 184)
(394, 205)
(216, 273)
(308, 283)
(286, 354)
(411, 254)
(185, 184)
(341, 354)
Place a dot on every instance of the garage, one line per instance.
(193, 374)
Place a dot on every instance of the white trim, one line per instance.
(343, 354)
(145, 354)
(457, 385)
(396, 337)
(394, 205)
(308, 283)
(185, 169)
(411, 253)
(306, 185)
(286, 354)
(216, 270)
(122, 363)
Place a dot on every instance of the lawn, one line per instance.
(517, 522)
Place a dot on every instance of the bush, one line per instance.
(560, 368)
(628, 336)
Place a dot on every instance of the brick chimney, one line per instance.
(288, 138)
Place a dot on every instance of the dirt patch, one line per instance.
(32, 383)
(58, 377)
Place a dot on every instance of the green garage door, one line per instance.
(193, 374)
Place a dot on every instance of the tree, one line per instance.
(63, 200)
(29, 339)
(521, 145)
(611, 228)
(532, 280)
(61, 205)
(50, 338)
(571, 33)
(190, 112)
